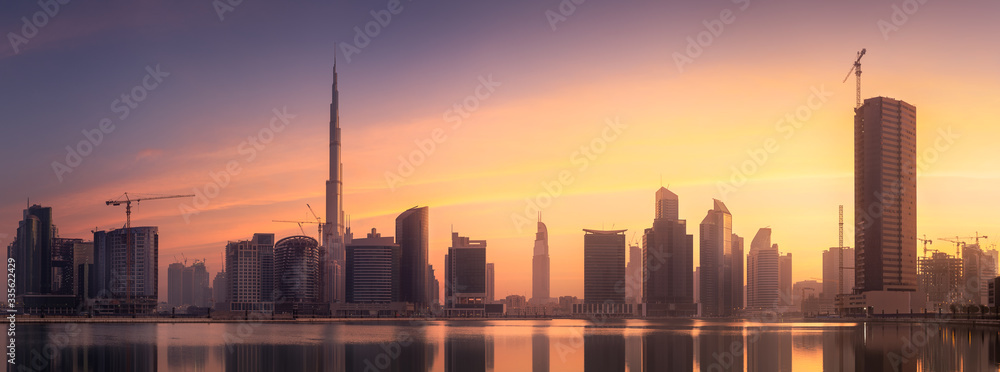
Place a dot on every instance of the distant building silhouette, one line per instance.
(220, 291)
(785, 279)
(246, 270)
(491, 283)
(175, 284)
(762, 272)
(831, 274)
(668, 261)
(540, 266)
(885, 184)
(413, 238)
(433, 286)
(373, 269)
(465, 276)
(633, 275)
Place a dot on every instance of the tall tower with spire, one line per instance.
(540, 265)
(333, 229)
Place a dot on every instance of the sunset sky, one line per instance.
(555, 90)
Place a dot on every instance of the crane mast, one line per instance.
(856, 69)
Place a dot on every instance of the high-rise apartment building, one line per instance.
(762, 272)
(885, 195)
(246, 273)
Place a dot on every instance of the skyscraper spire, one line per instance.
(333, 230)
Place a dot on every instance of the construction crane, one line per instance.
(319, 221)
(856, 69)
(127, 200)
(926, 242)
(958, 244)
(298, 222)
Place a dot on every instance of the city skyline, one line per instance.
(487, 185)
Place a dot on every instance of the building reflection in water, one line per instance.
(186, 358)
(721, 349)
(466, 353)
(539, 351)
(667, 351)
(603, 351)
(769, 349)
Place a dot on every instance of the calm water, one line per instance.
(557, 345)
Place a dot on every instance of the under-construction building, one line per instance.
(940, 276)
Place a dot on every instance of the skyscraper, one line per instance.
(490, 283)
(785, 279)
(200, 295)
(716, 260)
(373, 269)
(412, 236)
(245, 273)
(175, 284)
(296, 274)
(885, 195)
(465, 276)
(333, 230)
(603, 266)
(762, 272)
(32, 250)
(668, 261)
(633, 275)
(736, 273)
(433, 287)
(540, 265)
(220, 291)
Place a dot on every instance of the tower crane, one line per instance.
(857, 71)
(128, 200)
(319, 221)
(926, 242)
(958, 244)
(298, 222)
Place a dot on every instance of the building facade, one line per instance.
(762, 272)
(540, 266)
(885, 195)
(296, 274)
(412, 236)
(465, 276)
(246, 273)
(373, 270)
(668, 261)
